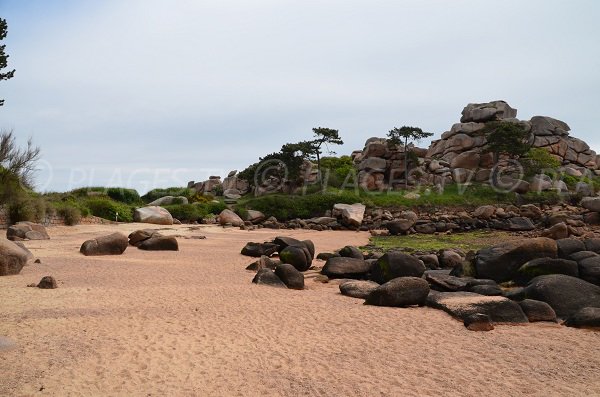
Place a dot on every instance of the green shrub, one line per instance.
(128, 196)
(155, 194)
(71, 215)
(187, 212)
(537, 160)
(242, 212)
(121, 194)
(337, 169)
(215, 207)
(107, 208)
(196, 211)
(285, 207)
(24, 208)
(570, 181)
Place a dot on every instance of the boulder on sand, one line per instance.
(396, 264)
(537, 310)
(228, 217)
(12, 258)
(290, 276)
(478, 322)
(351, 214)
(153, 214)
(297, 256)
(358, 288)
(256, 250)
(159, 243)
(264, 262)
(27, 231)
(282, 242)
(47, 282)
(464, 304)
(565, 294)
(400, 292)
(588, 317)
(340, 267)
(254, 216)
(113, 244)
(268, 277)
(139, 236)
(501, 262)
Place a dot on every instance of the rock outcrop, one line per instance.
(460, 156)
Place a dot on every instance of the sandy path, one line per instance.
(190, 323)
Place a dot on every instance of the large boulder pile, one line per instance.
(459, 155)
(295, 257)
(210, 186)
(461, 147)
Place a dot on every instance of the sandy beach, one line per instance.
(190, 323)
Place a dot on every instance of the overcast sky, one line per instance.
(148, 93)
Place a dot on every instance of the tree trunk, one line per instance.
(319, 169)
(405, 163)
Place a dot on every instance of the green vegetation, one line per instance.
(429, 242)
(123, 195)
(155, 194)
(538, 160)
(285, 164)
(455, 196)
(195, 212)
(107, 208)
(404, 135)
(285, 207)
(505, 138)
(3, 57)
(337, 170)
(323, 136)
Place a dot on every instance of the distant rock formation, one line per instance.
(460, 156)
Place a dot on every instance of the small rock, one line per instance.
(478, 322)
(47, 282)
(291, 277)
(358, 288)
(400, 292)
(268, 277)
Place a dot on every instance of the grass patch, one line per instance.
(455, 196)
(467, 241)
